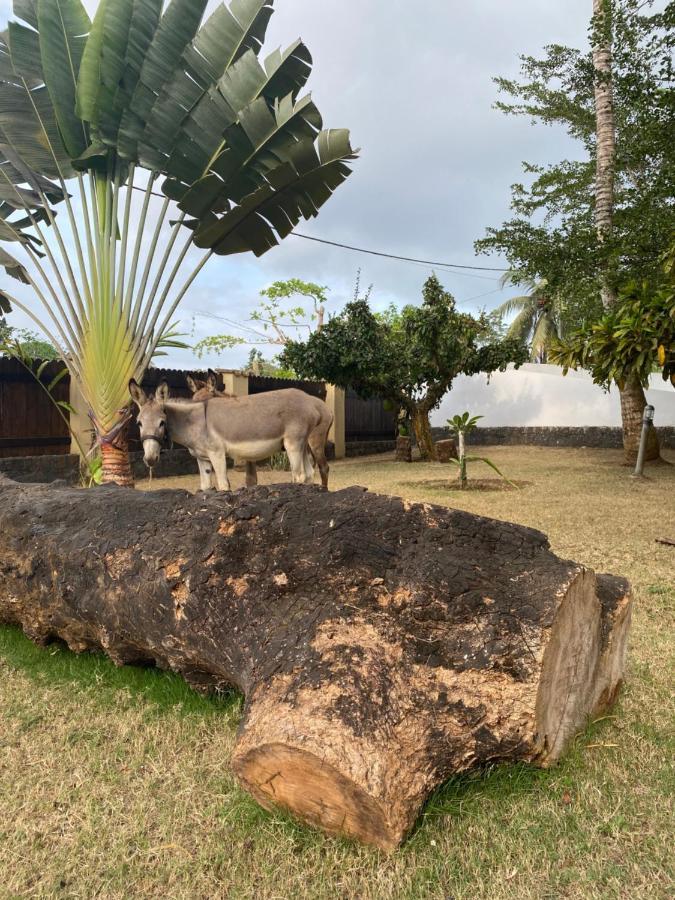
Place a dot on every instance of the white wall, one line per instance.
(540, 395)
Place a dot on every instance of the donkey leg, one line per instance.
(317, 444)
(296, 457)
(309, 467)
(219, 463)
(251, 474)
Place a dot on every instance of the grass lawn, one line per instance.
(115, 783)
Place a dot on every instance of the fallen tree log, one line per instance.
(381, 646)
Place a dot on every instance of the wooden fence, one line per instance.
(29, 423)
(31, 426)
(261, 384)
(367, 420)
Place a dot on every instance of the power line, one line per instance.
(426, 262)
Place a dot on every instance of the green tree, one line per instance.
(538, 317)
(632, 340)
(28, 344)
(605, 219)
(276, 318)
(144, 97)
(409, 358)
(273, 368)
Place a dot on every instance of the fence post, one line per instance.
(80, 424)
(235, 383)
(335, 400)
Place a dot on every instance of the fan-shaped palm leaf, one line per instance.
(143, 86)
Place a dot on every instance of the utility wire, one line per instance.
(426, 262)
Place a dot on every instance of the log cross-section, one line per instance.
(381, 646)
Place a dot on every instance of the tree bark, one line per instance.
(633, 402)
(116, 463)
(422, 429)
(605, 139)
(382, 646)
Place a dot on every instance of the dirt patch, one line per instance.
(474, 484)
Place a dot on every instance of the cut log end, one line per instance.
(314, 791)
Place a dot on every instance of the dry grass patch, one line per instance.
(115, 783)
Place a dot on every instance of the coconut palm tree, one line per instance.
(159, 136)
(633, 399)
(538, 317)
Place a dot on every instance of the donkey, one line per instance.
(206, 390)
(251, 428)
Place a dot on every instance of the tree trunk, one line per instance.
(633, 399)
(605, 139)
(382, 646)
(422, 428)
(116, 463)
(633, 402)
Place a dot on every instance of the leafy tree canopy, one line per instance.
(630, 340)
(275, 319)
(552, 234)
(409, 357)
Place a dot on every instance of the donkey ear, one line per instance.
(192, 384)
(138, 395)
(212, 380)
(162, 392)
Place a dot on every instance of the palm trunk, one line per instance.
(116, 463)
(632, 396)
(605, 142)
(422, 427)
(633, 402)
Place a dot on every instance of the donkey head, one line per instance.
(204, 390)
(151, 419)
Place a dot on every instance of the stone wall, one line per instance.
(366, 448)
(42, 469)
(541, 436)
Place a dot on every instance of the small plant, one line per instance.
(463, 425)
(279, 462)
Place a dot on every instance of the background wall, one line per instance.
(539, 395)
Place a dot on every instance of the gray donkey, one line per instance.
(250, 428)
(207, 390)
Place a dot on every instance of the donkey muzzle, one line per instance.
(151, 451)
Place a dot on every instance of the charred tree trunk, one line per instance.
(381, 646)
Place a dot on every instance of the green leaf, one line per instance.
(13, 267)
(56, 379)
(176, 29)
(42, 367)
(89, 75)
(26, 10)
(296, 189)
(142, 27)
(492, 466)
(64, 26)
(24, 48)
(65, 405)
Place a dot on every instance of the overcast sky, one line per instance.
(413, 82)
